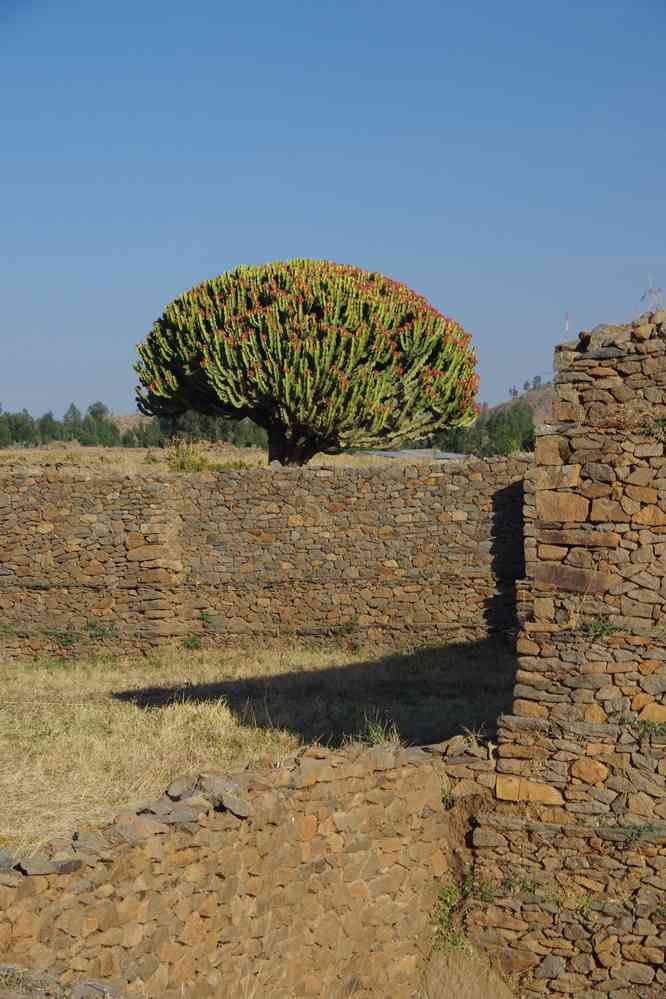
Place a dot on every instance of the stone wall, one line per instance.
(317, 878)
(395, 550)
(577, 842)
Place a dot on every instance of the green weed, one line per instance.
(377, 729)
(599, 628)
(636, 833)
(647, 729)
(63, 637)
(448, 799)
(448, 912)
(235, 466)
(192, 642)
(96, 629)
(453, 903)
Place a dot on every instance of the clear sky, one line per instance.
(507, 160)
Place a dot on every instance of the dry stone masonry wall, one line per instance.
(317, 878)
(577, 842)
(427, 550)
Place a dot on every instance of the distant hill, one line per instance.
(540, 399)
(131, 421)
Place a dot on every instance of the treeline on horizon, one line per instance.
(499, 431)
(97, 428)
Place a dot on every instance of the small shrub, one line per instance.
(377, 729)
(98, 630)
(192, 642)
(599, 628)
(63, 637)
(447, 797)
(185, 455)
(656, 429)
(347, 634)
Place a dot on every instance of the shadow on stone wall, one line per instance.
(508, 556)
(428, 694)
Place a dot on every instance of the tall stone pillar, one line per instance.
(575, 848)
(595, 644)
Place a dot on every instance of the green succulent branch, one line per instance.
(323, 356)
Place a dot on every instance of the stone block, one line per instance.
(510, 788)
(561, 507)
(571, 579)
(589, 771)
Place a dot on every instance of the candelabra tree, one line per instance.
(324, 357)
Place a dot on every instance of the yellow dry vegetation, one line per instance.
(82, 738)
(463, 973)
(137, 461)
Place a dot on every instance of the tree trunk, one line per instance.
(289, 452)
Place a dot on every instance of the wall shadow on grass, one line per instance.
(428, 694)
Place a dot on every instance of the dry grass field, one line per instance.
(136, 461)
(80, 739)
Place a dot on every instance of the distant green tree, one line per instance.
(495, 432)
(72, 423)
(22, 428)
(245, 433)
(5, 433)
(98, 411)
(49, 429)
(97, 428)
(149, 434)
(206, 427)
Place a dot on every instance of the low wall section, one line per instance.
(427, 550)
(318, 878)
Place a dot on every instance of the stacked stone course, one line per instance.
(392, 551)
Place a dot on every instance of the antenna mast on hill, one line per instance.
(566, 325)
(653, 297)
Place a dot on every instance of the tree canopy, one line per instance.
(322, 356)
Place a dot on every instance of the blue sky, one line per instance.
(506, 160)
